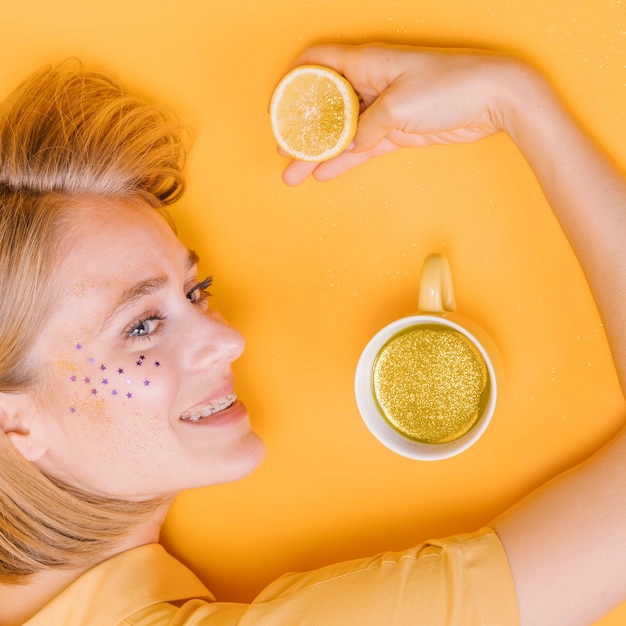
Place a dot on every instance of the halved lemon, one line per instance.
(314, 112)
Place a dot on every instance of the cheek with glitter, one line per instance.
(430, 383)
(100, 380)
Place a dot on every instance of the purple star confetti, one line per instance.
(103, 383)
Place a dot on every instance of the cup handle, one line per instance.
(436, 294)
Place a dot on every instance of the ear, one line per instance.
(19, 423)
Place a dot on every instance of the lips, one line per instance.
(210, 408)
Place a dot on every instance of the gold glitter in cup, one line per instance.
(426, 385)
(429, 383)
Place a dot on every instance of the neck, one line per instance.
(20, 602)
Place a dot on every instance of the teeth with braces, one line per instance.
(210, 408)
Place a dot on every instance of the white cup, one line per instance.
(436, 309)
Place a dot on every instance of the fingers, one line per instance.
(341, 164)
(329, 55)
(374, 125)
(298, 171)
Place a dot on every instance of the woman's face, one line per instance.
(138, 399)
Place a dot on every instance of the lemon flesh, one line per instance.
(314, 112)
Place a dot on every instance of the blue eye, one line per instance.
(199, 293)
(145, 327)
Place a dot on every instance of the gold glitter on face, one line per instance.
(429, 383)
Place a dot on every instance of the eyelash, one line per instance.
(203, 291)
(202, 295)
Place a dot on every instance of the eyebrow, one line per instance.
(136, 292)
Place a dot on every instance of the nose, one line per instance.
(216, 341)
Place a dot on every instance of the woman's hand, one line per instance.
(413, 97)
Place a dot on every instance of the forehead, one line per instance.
(118, 239)
(112, 246)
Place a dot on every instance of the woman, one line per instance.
(116, 389)
(78, 158)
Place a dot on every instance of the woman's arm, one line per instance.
(566, 542)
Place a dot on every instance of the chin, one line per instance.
(239, 463)
(250, 457)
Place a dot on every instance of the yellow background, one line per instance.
(310, 274)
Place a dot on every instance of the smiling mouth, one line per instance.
(215, 406)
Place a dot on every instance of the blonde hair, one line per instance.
(64, 134)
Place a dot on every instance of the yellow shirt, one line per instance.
(460, 581)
